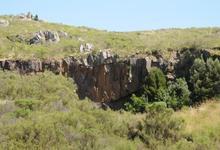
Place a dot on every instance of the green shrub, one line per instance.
(159, 126)
(179, 94)
(137, 104)
(175, 94)
(205, 79)
(36, 18)
(40, 87)
(155, 82)
(22, 112)
(27, 103)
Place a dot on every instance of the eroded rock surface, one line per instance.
(45, 36)
(105, 77)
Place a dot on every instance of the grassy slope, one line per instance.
(123, 43)
(203, 124)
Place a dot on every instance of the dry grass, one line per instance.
(122, 43)
(201, 118)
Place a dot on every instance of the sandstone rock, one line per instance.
(4, 23)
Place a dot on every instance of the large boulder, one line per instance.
(51, 36)
(4, 23)
(45, 36)
(38, 38)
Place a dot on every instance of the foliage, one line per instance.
(158, 127)
(137, 104)
(175, 94)
(36, 18)
(34, 114)
(179, 94)
(205, 78)
(23, 112)
(27, 103)
(154, 85)
(45, 115)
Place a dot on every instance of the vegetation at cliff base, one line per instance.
(43, 112)
(174, 94)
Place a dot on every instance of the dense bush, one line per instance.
(155, 83)
(159, 126)
(137, 104)
(43, 87)
(27, 103)
(179, 94)
(156, 89)
(39, 114)
(205, 79)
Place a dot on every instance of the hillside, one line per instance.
(66, 87)
(14, 39)
(35, 113)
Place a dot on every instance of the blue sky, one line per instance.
(121, 15)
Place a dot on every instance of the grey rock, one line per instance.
(62, 34)
(51, 36)
(42, 36)
(81, 48)
(104, 55)
(4, 23)
(90, 60)
(27, 16)
(88, 47)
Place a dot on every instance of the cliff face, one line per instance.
(105, 77)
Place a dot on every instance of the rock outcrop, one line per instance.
(105, 77)
(86, 47)
(4, 23)
(45, 36)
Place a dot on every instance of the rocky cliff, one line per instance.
(105, 77)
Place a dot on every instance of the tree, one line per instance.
(155, 84)
(36, 18)
(205, 79)
(179, 94)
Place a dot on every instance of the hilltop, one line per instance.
(16, 35)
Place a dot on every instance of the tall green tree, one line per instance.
(155, 84)
(179, 93)
(205, 78)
